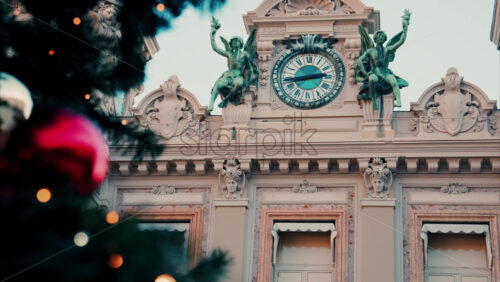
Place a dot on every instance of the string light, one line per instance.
(81, 239)
(87, 96)
(16, 12)
(43, 195)
(160, 7)
(115, 261)
(124, 122)
(165, 278)
(77, 21)
(112, 217)
(51, 52)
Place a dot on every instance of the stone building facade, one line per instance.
(340, 192)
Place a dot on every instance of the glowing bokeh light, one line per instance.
(43, 195)
(87, 96)
(124, 122)
(77, 21)
(112, 217)
(115, 261)
(165, 278)
(51, 52)
(81, 239)
(160, 7)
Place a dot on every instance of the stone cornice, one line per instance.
(311, 165)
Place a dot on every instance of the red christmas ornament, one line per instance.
(71, 144)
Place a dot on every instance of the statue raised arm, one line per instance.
(213, 30)
(372, 68)
(242, 69)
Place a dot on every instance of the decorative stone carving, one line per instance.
(129, 98)
(238, 116)
(453, 107)
(305, 188)
(454, 188)
(378, 178)
(105, 34)
(232, 179)
(378, 123)
(310, 8)
(492, 125)
(163, 189)
(169, 114)
(453, 111)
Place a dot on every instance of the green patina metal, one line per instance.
(372, 69)
(242, 72)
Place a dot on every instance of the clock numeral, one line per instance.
(296, 94)
(325, 86)
(292, 69)
(325, 68)
(308, 95)
(298, 61)
(319, 94)
(328, 77)
(309, 59)
(319, 61)
(290, 86)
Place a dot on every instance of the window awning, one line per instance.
(451, 228)
(302, 227)
(168, 226)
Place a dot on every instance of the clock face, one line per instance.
(308, 80)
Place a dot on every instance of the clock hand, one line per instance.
(305, 77)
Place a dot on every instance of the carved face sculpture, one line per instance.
(453, 79)
(380, 37)
(232, 184)
(108, 13)
(378, 180)
(232, 178)
(236, 43)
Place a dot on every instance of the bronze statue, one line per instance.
(242, 70)
(372, 68)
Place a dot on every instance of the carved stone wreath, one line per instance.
(305, 188)
(163, 189)
(454, 188)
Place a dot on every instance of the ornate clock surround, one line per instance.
(309, 46)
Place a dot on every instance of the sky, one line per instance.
(442, 34)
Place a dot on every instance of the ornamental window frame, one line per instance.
(193, 216)
(268, 217)
(417, 219)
